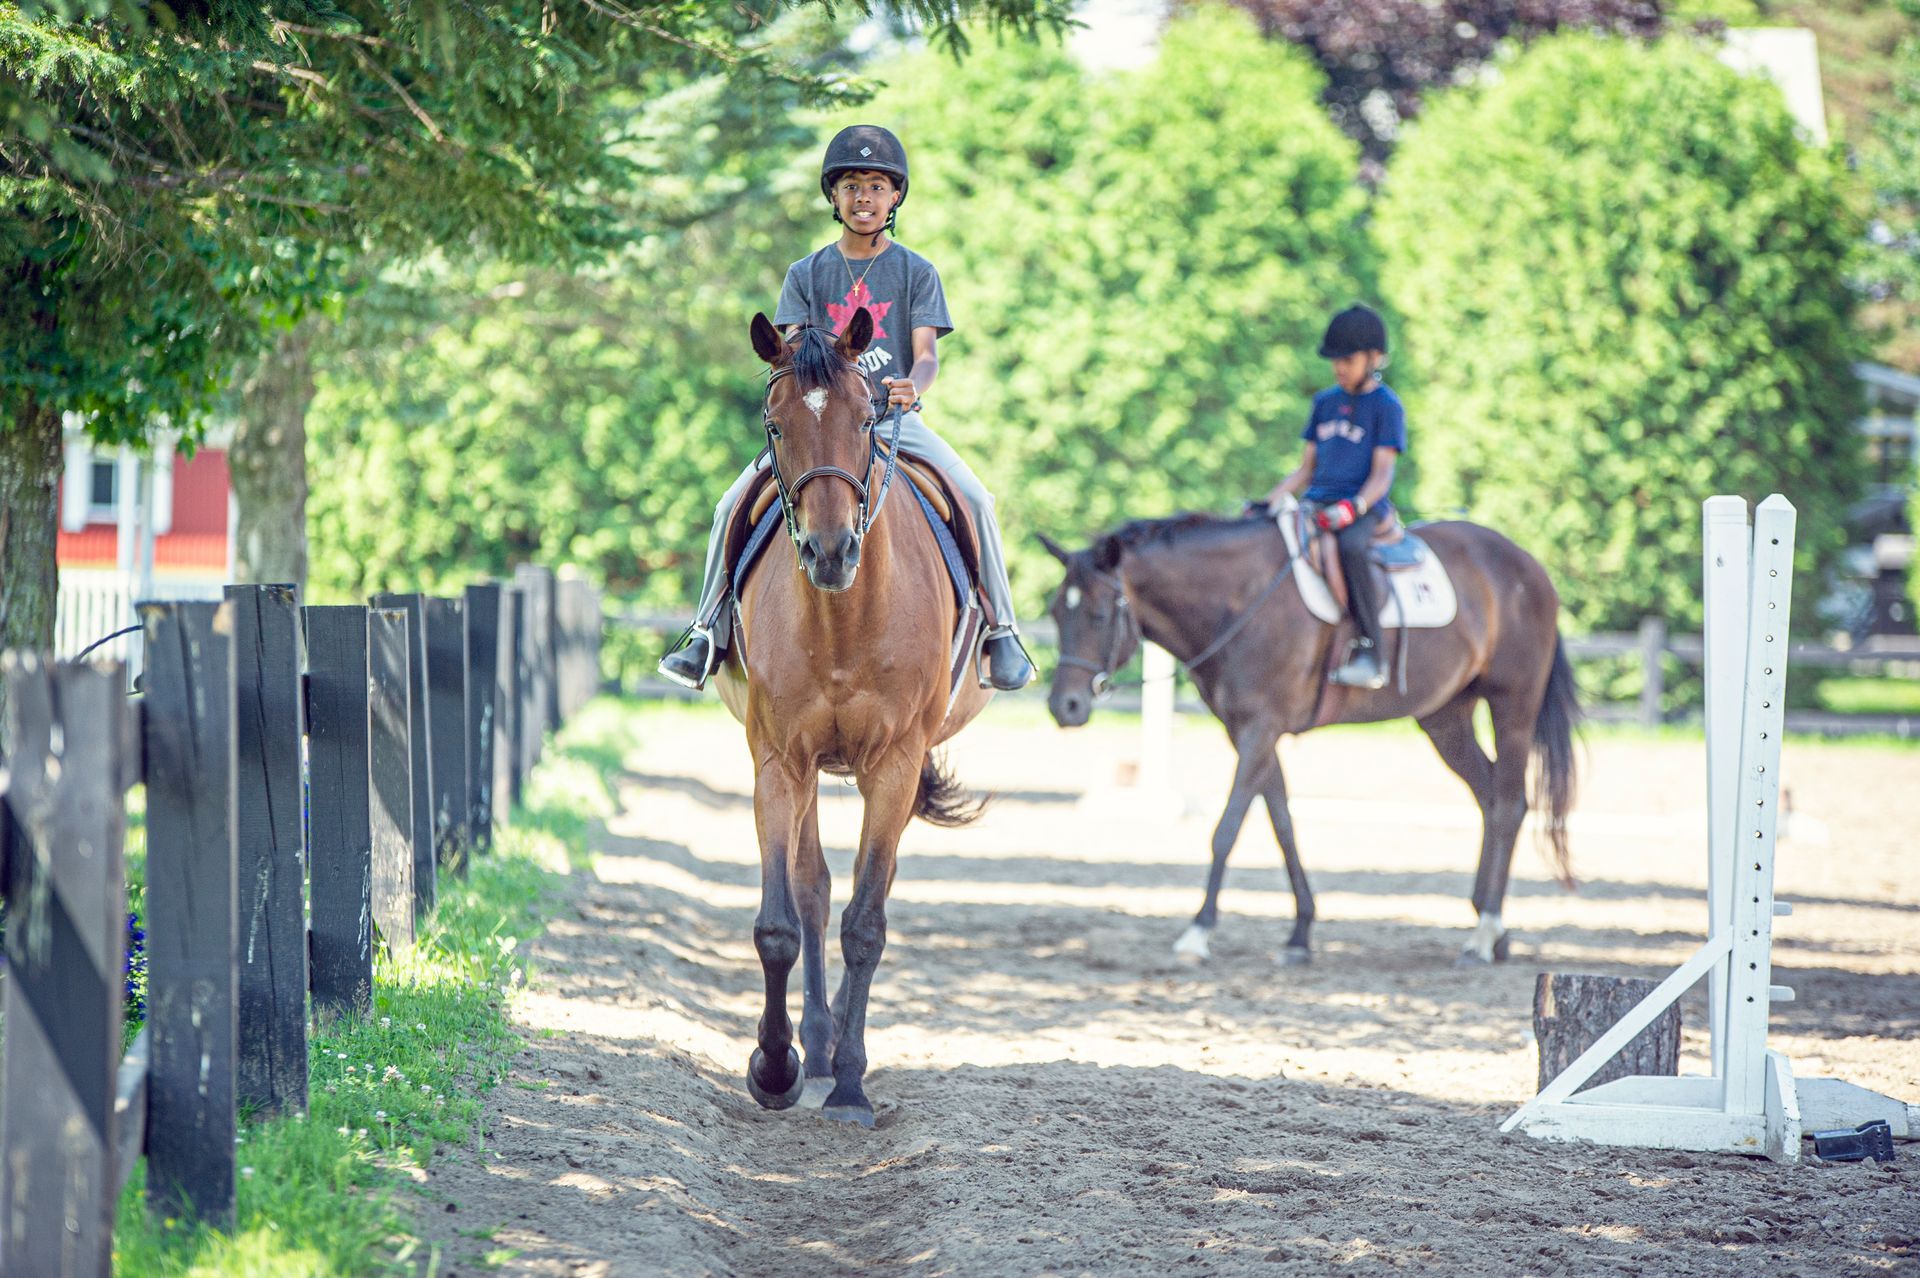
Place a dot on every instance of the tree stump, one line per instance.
(1571, 1012)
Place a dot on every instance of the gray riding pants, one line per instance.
(917, 439)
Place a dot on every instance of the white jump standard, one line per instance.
(1750, 1103)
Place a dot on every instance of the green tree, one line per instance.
(183, 182)
(1625, 279)
(474, 416)
(1139, 266)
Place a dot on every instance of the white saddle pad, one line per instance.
(1419, 598)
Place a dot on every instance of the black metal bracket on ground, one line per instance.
(1872, 1139)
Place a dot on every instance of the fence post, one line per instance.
(340, 821)
(447, 711)
(192, 950)
(1653, 675)
(269, 834)
(65, 889)
(483, 666)
(421, 735)
(391, 780)
(507, 705)
(536, 650)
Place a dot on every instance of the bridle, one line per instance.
(1123, 632)
(1123, 638)
(871, 499)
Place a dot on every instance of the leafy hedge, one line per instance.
(1625, 278)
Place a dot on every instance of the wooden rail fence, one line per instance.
(309, 772)
(1651, 645)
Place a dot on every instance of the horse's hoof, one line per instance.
(757, 1064)
(814, 1093)
(1472, 958)
(1502, 949)
(1294, 956)
(861, 1114)
(1194, 945)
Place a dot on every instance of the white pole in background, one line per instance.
(1156, 722)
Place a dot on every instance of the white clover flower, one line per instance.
(421, 1026)
(386, 1022)
(380, 1114)
(246, 1173)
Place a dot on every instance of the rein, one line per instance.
(871, 500)
(1118, 638)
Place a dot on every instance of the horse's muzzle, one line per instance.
(831, 560)
(1070, 708)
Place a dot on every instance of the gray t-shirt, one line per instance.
(899, 288)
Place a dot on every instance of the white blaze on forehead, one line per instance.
(1073, 598)
(817, 400)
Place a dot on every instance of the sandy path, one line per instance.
(1056, 1096)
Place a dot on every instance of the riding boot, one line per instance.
(1362, 668)
(1008, 667)
(689, 664)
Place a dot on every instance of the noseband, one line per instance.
(1123, 629)
(871, 500)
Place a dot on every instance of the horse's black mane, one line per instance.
(1176, 528)
(817, 363)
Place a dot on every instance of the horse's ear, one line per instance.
(1055, 549)
(1107, 552)
(767, 343)
(856, 336)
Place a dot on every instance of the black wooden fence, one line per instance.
(416, 713)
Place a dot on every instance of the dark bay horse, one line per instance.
(1188, 582)
(849, 675)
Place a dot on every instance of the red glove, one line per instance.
(1337, 516)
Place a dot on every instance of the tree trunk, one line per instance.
(268, 461)
(31, 458)
(1571, 1012)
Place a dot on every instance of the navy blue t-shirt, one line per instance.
(1345, 430)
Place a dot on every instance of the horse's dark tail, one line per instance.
(1553, 779)
(941, 800)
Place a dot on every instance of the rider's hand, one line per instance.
(1336, 516)
(901, 392)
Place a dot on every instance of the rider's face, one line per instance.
(864, 199)
(1352, 371)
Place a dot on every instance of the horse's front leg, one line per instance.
(813, 897)
(780, 805)
(890, 790)
(1255, 745)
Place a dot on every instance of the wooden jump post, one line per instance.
(1750, 1102)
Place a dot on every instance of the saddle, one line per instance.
(1415, 591)
(757, 519)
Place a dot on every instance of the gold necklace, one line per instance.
(853, 285)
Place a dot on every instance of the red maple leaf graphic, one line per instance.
(857, 297)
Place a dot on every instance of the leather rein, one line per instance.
(871, 499)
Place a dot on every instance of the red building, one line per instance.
(113, 504)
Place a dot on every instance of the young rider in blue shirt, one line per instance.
(864, 177)
(1355, 433)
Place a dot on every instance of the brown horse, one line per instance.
(1219, 595)
(849, 674)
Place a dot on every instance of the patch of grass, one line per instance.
(317, 1191)
(1870, 696)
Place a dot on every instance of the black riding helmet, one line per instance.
(865, 147)
(1358, 328)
